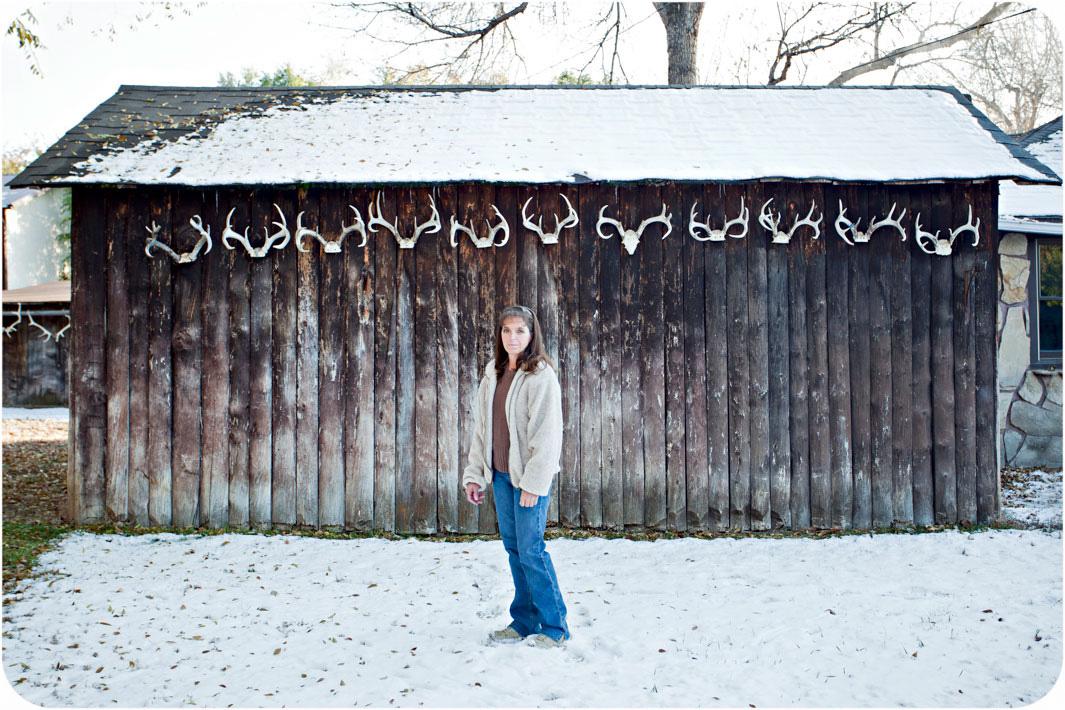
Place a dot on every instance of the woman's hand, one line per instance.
(528, 499)
(474, 494)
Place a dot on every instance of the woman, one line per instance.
(516, 445)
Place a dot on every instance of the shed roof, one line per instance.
(1035, 207)
(50, 292)
(192, 136)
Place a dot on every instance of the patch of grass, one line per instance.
(23, 544)
(552, 532)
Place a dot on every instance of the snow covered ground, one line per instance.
(1032, 498)
(938, 619)
(35, 413)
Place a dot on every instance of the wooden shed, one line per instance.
(36, 360)
(283, 300)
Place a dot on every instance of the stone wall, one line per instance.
(1029, 399)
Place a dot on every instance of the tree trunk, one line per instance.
(681, 20)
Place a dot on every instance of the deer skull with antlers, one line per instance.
(718, 235)
(844, 225)
(330, 246)
(550, 237)
(282, 234)
(771, 223)
(189, 256)
(932, 243)
(431, 226)
(630, 238)
(488, 240)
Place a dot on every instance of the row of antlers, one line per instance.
(9, 330)
(849, 231)
(929, 242)
(280, 238)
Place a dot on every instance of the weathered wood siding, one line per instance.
(35, 366)
(707, 385)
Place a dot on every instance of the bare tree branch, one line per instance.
(789, 49)
(613, 29)
(992, 15)
(452, 31)
(1011, 68)
(453, 22)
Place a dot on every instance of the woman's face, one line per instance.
(516, 335)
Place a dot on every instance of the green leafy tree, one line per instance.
(569, 78)
(62, 236)
(28, 40)
(284, 75)
(16, 159)
(421, 75)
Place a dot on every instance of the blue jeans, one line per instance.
(537, 607)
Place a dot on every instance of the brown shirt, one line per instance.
(500, 432)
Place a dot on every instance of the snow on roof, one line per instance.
(1021, 204)
(371, 135)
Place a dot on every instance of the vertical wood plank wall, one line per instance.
(711, 386)
(35, 367)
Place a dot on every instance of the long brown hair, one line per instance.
(534, 352)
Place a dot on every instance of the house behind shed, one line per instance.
(36, 313)
(36, 353)
(1029, 310)
(737, 351)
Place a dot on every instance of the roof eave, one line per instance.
(1003, 138)
(19, 182)
(83, 182)
(1014, 224)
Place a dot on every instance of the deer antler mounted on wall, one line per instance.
(330, 246)
(844, 225)
(44, 331)
(282, 234)
(550, 237)
(485, 241)
(932, 243)
(718, 235)
(433, 225)
(48, 335)
(65, 328)
(771, 223)
(9, 329)
(189, 256)
(630, 238)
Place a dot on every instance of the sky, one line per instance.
(83, 63)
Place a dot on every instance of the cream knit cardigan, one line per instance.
(534, 417)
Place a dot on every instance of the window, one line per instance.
(1045, 301)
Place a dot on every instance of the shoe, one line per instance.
(544, 641)
(507, 635)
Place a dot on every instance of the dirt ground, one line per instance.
(35, 470)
